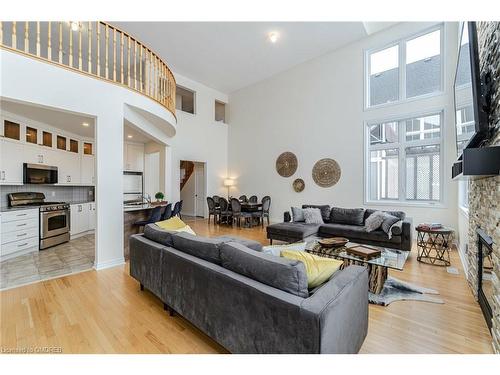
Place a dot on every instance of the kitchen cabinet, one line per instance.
(68, 168)
(82, 218)
(11, 162)
(20, 233)
(87, 176)
(133, 157)
(39, 155)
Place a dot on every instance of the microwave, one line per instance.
(39, 174)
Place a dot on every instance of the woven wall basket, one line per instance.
(299, 185)
(286, 164)
(326, 172)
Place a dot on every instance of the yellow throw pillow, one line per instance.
(319, 269)
(173, 223)
(187, 229)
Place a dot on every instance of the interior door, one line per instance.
(199, 173)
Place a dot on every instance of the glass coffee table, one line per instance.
(377, 267)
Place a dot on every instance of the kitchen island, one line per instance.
(131, 214)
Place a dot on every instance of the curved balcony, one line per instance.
(97, 49)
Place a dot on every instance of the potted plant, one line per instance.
(159, 196)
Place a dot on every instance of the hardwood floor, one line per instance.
(104, 312)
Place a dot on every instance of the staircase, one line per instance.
(187, 168)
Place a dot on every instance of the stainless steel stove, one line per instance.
(54, 217)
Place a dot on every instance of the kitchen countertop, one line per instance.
(34, 207)
(138, 207)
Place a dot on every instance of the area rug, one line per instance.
(397, 290)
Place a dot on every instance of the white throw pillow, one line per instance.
(276, 249)
(313, 216)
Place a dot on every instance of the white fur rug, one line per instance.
(397, 290)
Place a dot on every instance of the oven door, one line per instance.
(54, 223)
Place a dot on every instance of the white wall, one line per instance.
(316, 110)
(35, 82)
(200, 138)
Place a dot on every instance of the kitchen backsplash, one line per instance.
(67, 194)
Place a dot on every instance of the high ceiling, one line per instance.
(228, 56)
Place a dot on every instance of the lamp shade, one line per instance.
(229, 182)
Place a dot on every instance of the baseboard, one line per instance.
(78, 235)
(463, 260)
(109, 264)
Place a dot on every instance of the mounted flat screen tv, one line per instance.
(471, 119)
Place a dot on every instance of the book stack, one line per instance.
(430, 226)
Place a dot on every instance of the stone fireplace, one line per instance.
(484, 193)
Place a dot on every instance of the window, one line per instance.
(407, 69)
(220, 111)
(404, 160)
(184, 100)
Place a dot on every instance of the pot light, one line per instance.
(86, 124)
(130, 136)
(273, 36)
(74, 25)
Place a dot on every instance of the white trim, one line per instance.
(109, 263)
(463, 260)
(401, 43)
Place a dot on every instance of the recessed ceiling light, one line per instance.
(130, 136)
(273, 36)
(86, 124)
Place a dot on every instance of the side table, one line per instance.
(433, 246)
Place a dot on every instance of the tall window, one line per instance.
(404, 160)
(407, 69)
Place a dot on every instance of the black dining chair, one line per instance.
(243, 198)
(264, 212)
(225, 212)
(167, 214)
(212, 210)
(153, 218)
(177, 209)
(216, 200)
(253, 199)
(238, 214)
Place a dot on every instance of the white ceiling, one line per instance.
(231, 55)
(65, 121)
(137, 135)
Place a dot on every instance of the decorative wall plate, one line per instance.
(299, 185)
(286, 164)
(326, 172)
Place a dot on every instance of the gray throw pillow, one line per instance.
(297, 214)
(154, 233)
(374, 221)
(325, 210)
(313, 216)
(198, 246)
(388, 222)
(352, 216)
(397, 228)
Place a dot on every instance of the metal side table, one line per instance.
(433, 246)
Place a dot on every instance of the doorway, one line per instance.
(193, 188)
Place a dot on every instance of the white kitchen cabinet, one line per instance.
(133, 157)
(35, 154)
(83, 218)
(11, 162)
(20, 232)
(68, 168)
(87, 176)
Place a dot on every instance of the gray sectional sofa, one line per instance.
(248, 301)
(349, 223)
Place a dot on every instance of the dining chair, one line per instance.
(252, 199)
(238, 213)
(216, 200)
(153, 217)
(177, 209)
(167, 214)
(243, 198)
(266, 205)
(211, 209)
(225, 213)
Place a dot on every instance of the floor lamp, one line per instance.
(228, 182)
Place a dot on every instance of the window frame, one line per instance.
(401, 43)
(195, 101)
(401, 146)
